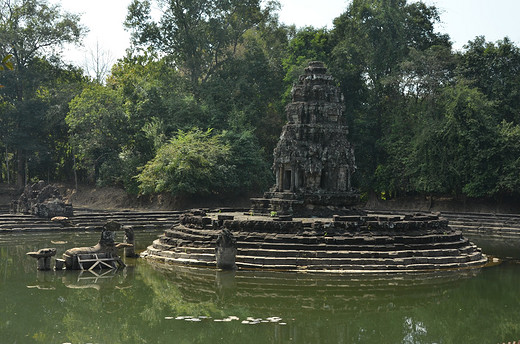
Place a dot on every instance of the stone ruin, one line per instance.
(313, 161)
(43, 200)
(100, 256)
(371, 243)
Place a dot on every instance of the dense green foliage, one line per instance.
(33, 31)
(197, 162)
(197, 105)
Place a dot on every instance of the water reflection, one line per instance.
(95, 279)
(505, 248)
(156, 303)
(324, 293)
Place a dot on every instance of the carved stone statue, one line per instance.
(104, 251)
(226, 250)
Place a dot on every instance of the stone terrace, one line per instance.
(372, 243)
(90, 220)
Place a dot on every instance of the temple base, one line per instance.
(320, 204)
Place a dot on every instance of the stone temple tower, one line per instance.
(313, 161)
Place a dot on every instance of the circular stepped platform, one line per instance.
(370, 243)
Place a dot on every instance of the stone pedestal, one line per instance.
(60, 264)
(130, 240)
(44, 257)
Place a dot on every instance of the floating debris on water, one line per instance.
(247, 321)
(190, 318)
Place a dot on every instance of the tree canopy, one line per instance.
(32, 32)
(197, 104)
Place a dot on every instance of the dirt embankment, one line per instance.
(111, 198)
(7, 193)
(504, 205)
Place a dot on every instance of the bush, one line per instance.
(200, 163)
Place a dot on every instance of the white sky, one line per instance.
(463, 20)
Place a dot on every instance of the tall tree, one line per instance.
(31, 30)
(99, 129)
(494, 68)
(372, 39)
(6, 64)
(199, 35)
(456, 152)
(307, 44)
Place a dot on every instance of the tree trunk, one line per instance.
(20, 169)
(75, 172)
(7, 165)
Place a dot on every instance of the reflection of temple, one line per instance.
(313, 161)
(312, 292)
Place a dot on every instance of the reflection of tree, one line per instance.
(348, 308)
(168, 298)
(101, 316)
(51, 312)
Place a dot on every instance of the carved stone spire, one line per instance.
(313, 160)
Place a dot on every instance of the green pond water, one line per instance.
(146, 303)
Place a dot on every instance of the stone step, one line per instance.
(162, 224)
(325, 258)
(346, 267)
(203, 241)
(38, 229)
(78, 213)
(369, 252)
(268, 238)
(484, 224)
(476, 216)
(351, 254)
(125, 220)
(345, 254)
(489, 229)
(206, 257)
(313, 262)
(165, 257)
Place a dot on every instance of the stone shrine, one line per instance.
(313, 161)
(312, 226)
